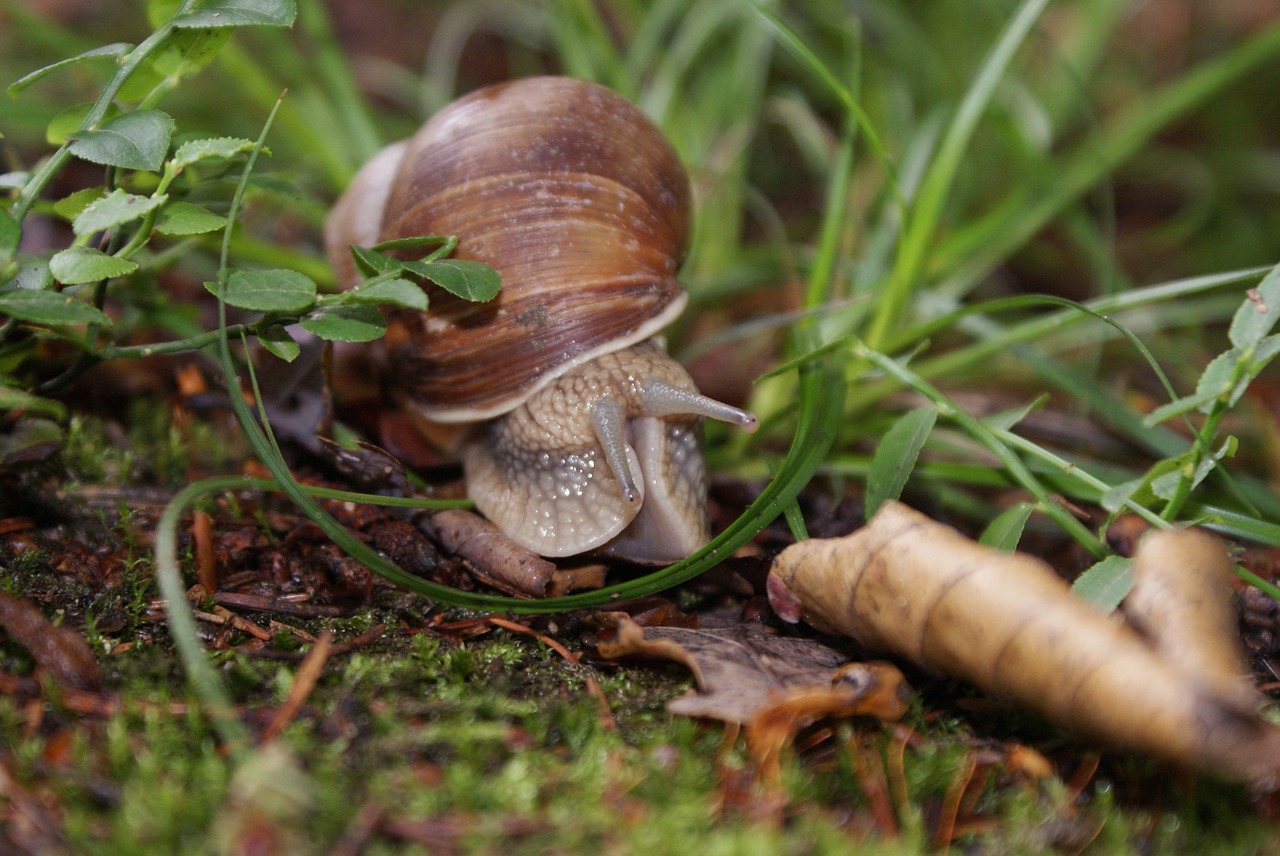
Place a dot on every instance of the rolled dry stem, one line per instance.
(912, 587)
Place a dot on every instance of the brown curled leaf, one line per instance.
(745, 673)
(1182, 601)
(911, 587)
(60, 651)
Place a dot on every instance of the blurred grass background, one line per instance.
(1129, 144)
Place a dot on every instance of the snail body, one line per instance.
(576, 431)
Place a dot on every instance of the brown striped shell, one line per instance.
(575, 432)
(577, 200)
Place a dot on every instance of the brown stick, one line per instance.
(303, 683)
(480, 542)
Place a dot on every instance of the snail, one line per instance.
(576, 431)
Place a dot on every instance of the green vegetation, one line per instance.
(997, 254)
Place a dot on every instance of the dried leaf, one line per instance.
(912, 587)
(60, 651)
(747, 675)
(1181, 599)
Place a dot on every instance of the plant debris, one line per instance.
(909, 586)
(60, 651)
(744, 672)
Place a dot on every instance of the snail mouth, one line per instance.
(671, 522)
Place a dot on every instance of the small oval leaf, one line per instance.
(137, 140)
(210, 147)
(73, 204)
(1005, 531)
(115, 209)
(1106, 583)
(239, 13)
(270, 290)
(399, 292)
(371, 262)
(276, 340)
(346, 323)
(33, 273)
(1259, 312)
(76, 265)
(66, 123)
(467, 279)
(184, 218)
(50, 307)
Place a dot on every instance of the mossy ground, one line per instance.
(417, 740)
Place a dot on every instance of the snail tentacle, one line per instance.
(611, 430)
(664, 399)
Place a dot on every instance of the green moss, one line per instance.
(498, 743)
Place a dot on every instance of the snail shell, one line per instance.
(580, 432)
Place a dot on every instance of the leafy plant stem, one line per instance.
(1074, 471)
(1200, 449)
(135, 58)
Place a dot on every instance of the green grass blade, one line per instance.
(926, 213)
(896, 456)
(969, 255)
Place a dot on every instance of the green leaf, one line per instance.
(466, 279)
(1135, 490)
(1005, 531)
(115, 209)
(10, 234)
(50, 307)
(1259, 312)
(239, 13)
(1218, 378)
(896, 456)
(184, 218)
(1166, 485)
(209, 147)
(136, 140)
(1006, 419)
(33, 273)
(75, 265)
(1106, 583)
(183, 53)
(399, 292)
(67, 122)
(17, 399)
(114, 51)
(70, 206)
(276, 340)
(270, 290)
(1179, 406)
(346, 323)
(371, 262)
